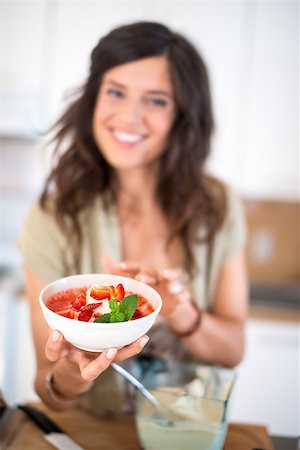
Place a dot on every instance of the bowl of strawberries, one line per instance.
(99, 311)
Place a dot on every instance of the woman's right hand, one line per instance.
(90, 364)
(60, 366)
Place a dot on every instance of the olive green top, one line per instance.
(45, 250)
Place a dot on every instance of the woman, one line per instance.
(131, 197)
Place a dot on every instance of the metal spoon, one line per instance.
(163, 420)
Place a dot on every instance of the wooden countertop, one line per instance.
(111, 433)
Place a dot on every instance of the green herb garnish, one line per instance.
(120, 311)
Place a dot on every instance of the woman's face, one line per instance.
(134, 112)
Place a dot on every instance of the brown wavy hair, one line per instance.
(186, 195)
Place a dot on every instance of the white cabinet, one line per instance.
(267, 390)
(267, 147)
(22, 68)
(17, 361)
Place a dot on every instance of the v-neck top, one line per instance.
(49, 254)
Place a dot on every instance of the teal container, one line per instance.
(194, 398)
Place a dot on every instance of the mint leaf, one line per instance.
(120, 311)
(114, 306)
(103, 319)
(128, 305)
(119, 317)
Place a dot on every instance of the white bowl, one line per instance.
(96, 337)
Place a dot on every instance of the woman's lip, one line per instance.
(127, 138)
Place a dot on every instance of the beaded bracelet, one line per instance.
(54, 396)
(195, 325)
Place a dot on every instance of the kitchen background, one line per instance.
(251, 49)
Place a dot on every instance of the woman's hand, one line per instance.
(90, 364)
(166, 282)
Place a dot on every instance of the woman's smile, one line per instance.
(125, 138)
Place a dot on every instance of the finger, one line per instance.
(54, 347)
(90, 370)
(132, 349)
(125, 268)
(167, 274)
(131, 267)
(147, 278)
(183, 295)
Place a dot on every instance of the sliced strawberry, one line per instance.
(91, 306)
(100, 293)
(144, 306)
(85, 316)
(69, 313)
(118, 293)
(79, 302)
(137, 314)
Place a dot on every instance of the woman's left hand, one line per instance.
(166, 281)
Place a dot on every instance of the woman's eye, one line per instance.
(157, 102)
(115, 93)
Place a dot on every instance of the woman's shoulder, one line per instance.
(48, 208)
(234, 205)
(231, 236)
(45, 245)
(225, 195)
(40, 222)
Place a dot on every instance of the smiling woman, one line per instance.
(129, 196)
(134, 111)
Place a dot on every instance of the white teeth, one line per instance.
(127, 137)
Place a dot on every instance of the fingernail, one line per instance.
(167, 273)
(143, 341)
(176, 286)
(140, 277)
(184, 296)
(111, 353)
(148, 279)
(123, 265)
(55, 336)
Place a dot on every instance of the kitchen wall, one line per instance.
(251, 52)
(250, 49)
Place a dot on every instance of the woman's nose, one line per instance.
(131, 111)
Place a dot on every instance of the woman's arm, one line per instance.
(72, 370)
(219, 338)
